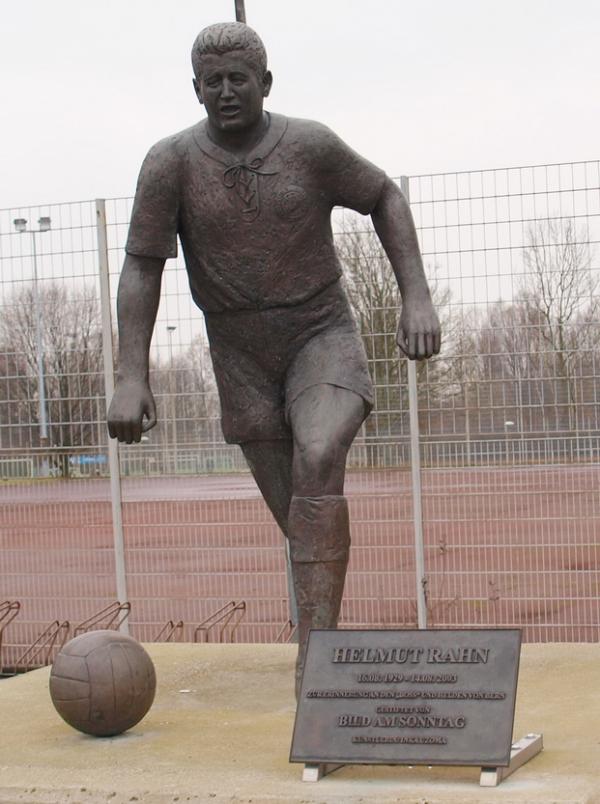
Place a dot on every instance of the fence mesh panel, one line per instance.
(508, 417)
(55, 505)
(509, 414)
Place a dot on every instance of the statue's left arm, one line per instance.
(354, 182)
(419, 333)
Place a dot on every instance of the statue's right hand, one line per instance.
(131, 402)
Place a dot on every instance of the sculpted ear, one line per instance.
(267, 83)
(197, 90)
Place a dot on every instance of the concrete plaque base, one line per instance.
(521, 752)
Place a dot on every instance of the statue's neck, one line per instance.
(239, 142)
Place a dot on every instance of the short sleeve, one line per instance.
(154, 218)
(353, 181)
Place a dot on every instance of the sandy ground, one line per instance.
(221, 726)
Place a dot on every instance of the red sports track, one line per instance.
(510, 546)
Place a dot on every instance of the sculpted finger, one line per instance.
(412, 345)
(428, 344)
(149, 423)
(150, 418)
(136, 432)
(421, 353)
(118, 431)
(437, 342)
(126, 436)
(401, 341)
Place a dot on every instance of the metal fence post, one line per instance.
(109, 385)
(415, 461)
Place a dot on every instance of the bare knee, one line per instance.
(317, 454)
(324, 421)
(319, 466)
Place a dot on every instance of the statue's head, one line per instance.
(231, 76)
(230, 37)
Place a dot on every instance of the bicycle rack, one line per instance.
(54, 635)
(111, 616)
(170, 632)
(287, 628)
(8, 611)
(232, 613)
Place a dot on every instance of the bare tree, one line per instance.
(533, 361)
(375, 299)
(373, 293)
(70, 324)
(560, 290)
(186, 393)
(17, 388)
(496, 368)
(197, 405)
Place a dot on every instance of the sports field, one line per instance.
(510, 546)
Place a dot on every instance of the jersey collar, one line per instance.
(272, 136)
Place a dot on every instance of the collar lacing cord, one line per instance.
(243, 178)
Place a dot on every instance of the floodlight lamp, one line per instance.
(20, 225)
(45, 224)
(171, 328)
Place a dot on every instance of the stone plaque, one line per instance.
(429, 697)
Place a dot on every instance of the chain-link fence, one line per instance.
(508, 414)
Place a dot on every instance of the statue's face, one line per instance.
(231, 91)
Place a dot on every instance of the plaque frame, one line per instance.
(334, 693)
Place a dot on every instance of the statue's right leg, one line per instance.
(271, 465)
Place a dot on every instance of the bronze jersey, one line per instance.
(255, 230)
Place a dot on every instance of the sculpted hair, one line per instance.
(225, 37)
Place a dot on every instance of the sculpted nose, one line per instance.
(226, 89)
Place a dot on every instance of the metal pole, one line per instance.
(240, 11)
(415, 455)
(293, 603)
(99, 438)
(170, 330)
(109, 385)
(40, 349)
(468, 422)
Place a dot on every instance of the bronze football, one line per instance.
(102, 683)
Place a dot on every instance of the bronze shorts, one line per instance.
(263, 360)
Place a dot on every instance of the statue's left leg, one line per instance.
(324, 420)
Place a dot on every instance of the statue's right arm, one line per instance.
(133, 410)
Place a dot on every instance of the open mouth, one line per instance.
(229, 110)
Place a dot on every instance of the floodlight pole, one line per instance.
(44, 226)
(39, 344)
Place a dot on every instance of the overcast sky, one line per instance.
(427, 86)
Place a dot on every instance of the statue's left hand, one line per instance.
(419, 334)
